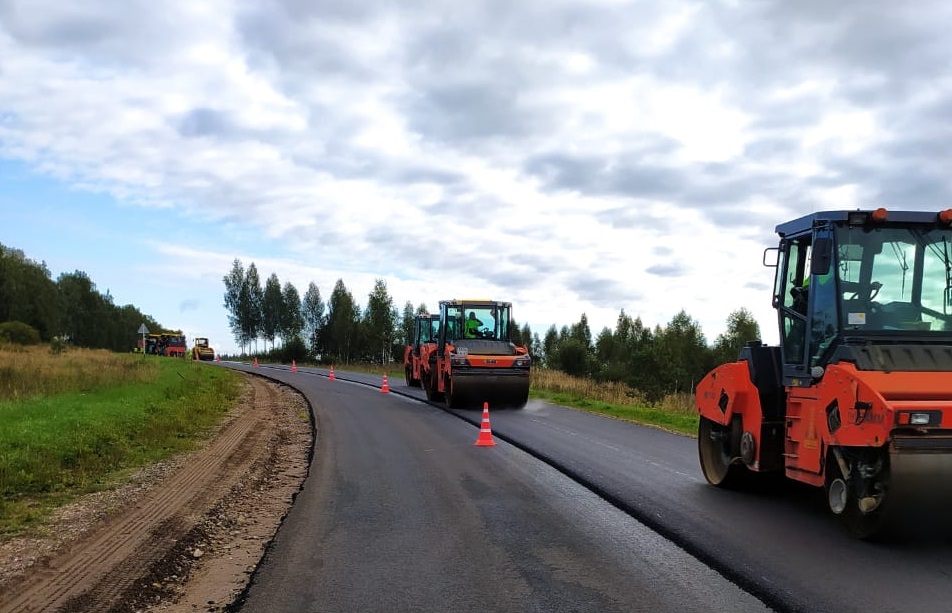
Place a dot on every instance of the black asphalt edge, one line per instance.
(239, 600)
(744, 581)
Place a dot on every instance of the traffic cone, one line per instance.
(293, 366)
(386, 386)
(485, 431)
(332, 373)
(256, 362)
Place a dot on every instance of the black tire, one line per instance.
(719, 456)
(843, 502)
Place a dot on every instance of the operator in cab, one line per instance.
(472, 325)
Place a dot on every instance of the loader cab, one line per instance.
(850, 283)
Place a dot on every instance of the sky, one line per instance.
(566, 156)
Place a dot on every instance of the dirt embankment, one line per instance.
(182, 536)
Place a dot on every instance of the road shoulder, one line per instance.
(183, 535)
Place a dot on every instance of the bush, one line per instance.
(58, 345)
(19, 333)
(293, 349)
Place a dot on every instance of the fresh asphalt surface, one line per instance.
(402, 512)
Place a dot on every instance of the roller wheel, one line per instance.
(452, 399)
(717, 451)
(846, 505)
(431, 388)
(522, 401)
(427, 384)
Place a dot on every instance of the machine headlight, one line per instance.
(919, 418)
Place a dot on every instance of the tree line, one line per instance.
(335, 330)
(69, 308)
(656, 361)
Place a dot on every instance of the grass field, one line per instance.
(72, 423)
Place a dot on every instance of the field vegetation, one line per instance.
(674, 412)
(75, 421)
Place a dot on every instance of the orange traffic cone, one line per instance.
(293, 366)
(386, 386)
(256, 362)
(332, 373)
(485, 431)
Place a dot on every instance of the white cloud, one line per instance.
(587, 156)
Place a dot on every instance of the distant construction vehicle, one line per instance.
(425, 332)
(857, 398)
(148, 344)
(474, 359)
(168, 344)
(172, 345)
(201, 350)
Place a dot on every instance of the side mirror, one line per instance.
(771, 257)
(821, 256)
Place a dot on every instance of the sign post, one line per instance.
(143, 331)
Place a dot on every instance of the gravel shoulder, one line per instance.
(180, 536)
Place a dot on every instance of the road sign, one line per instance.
(143, 331)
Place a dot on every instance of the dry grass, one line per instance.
(31, 372)
(609, 392)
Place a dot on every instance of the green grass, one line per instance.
(55, 447)
(659, 417)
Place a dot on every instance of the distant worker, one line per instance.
(471, 328)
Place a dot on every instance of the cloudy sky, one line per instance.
(568, 156)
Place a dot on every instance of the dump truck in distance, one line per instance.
(425, 332)
(201, 350)
(857, 397)
(474, 360)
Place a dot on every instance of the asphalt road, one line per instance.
(401, 512)
(779, 544)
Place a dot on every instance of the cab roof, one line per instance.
(477, 301)
(821, 218)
